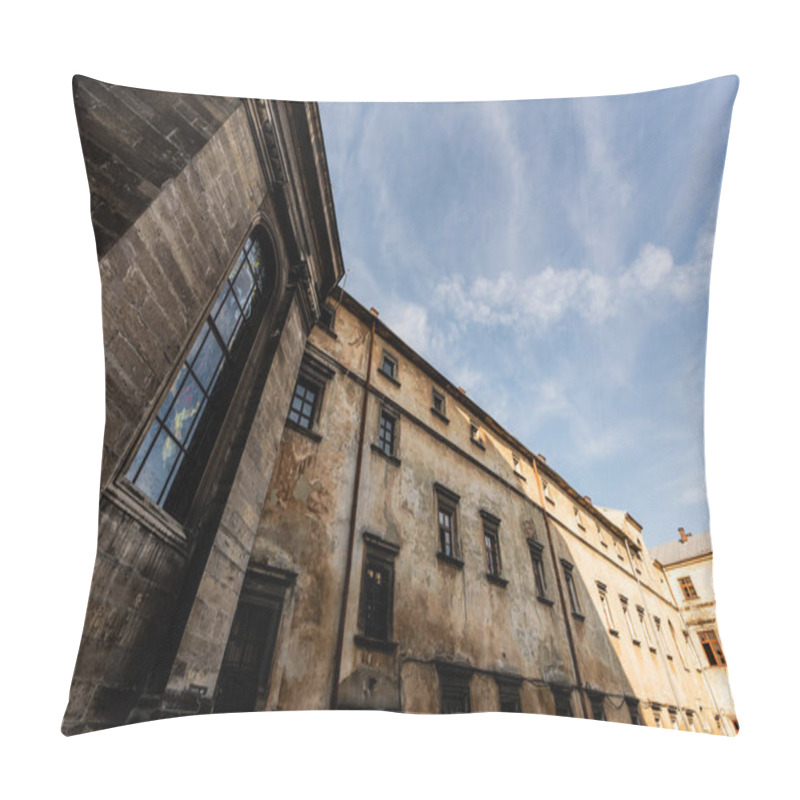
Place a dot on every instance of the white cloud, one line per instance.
(549, 297)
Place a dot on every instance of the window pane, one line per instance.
(156, 468)
(243, 286)
(228, 319)
(142, 452)
(207, 363)
(188, 406)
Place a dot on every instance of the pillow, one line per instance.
(309, 504)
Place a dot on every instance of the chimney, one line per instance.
(684, 537)
(374, 311)
(588, 499)
(462, 389)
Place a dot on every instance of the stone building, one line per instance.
(687, 565)
(296, 510)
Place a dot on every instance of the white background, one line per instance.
(53, 389)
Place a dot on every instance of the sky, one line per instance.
(553, 258)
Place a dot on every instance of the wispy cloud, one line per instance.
(535, 303)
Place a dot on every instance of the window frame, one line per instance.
(392, 374)
(508, 694)
(454, 685)
(315, 375)
(389, 413)
(709, 637)
(572, 589)
(378, 554)
(204, 443)
(687, 587)
(562, 696)
(539, 574)
(604, 604)
(447, 502)
(623, 601)
(494, 562)
(441, 412)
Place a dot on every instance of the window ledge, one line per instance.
(637, 642)
(389, 377)
(605, 544)
(327, 331)
(452, 560)
(652, 649)
(478, 444)
(496, 579)
(441, 416)
(520, 476)
(577, 615)
(669, 657)
(307, 432)
(613, 632)
(369, 643)
(545, 600)
(550, 500)
(391, 459)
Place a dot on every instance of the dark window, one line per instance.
(387, 433)
(633, 710)
(491, 541)
(475, 434)
(438, 403)
(170, 460)
(598, 710)
(309, 390)
(454, 689)
(712, 648)
(303, 409)
(508, 690)
(572, 591)
(687, 587)
(327, 317)
(446, 505)
(537, 551)
(376, 601)
(563, 703)
(389, 366)
(377, 591)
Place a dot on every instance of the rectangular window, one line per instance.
(547, 493)
(508, 691)
(601, 536)
(327, 317)
(572, 591)
(601, 587)
(447, 524)
(687, 587)
(645, 628)
(673, 718)
(438, 403)
(562, 700)
(302, 411)
(308, 392)
(475, 434)
(677, 646)
(598, 709)
(537, 551)
(712, 648)
(628, 621)
(657, 715)
(578, 518)
(491, 541)
(633, 710)
(690, 721)
(377, 593)
(389, 366)
(454, 692)
(387, 433)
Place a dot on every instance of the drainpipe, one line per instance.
(337, 659)
(572, 653)
(691, 643)
(656, 632)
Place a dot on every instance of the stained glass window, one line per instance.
(169, 461)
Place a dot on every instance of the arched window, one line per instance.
(170, 460)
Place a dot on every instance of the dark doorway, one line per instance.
(243, 682)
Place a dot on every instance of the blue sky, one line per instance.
(553, 258)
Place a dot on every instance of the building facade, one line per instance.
(687, 566)
(297, 511)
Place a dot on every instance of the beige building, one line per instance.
(687, 564)
(297, 511)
